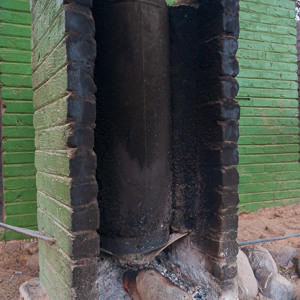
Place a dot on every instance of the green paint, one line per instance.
(17, 119)
(269, 127)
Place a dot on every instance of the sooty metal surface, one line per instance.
(132, 126)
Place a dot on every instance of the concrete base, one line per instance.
(33, 290)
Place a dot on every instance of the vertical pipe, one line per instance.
(132, 126)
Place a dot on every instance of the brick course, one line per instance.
(17, 116)
(269, 130)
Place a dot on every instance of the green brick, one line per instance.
(10, 55)
(53, 163)
(49, 41)
(268, 112)
(267, 10)
(16, 80)
(266, 47)
(16, 170)
(17, 5)
(17, 119)
(42, 26)
(18, 158)
(62, 237)
(268, 140)
(54, 114)
(18, 132)
(51, 65)
(16, 196)
(22, 220)
(273, 29)
(12, 183)
(17, 145)
(274, 103)
(276, 3)
(255, 206)
(269, 196)
(269, 186)
(15, 42)
(15, 31)
(267, 37)
(62, 214)
(268, 84)
(269, 130)
(262, 74)
(269, 177)
(278, 167)
(58, 259)
(18, 106)
(55, 280)
(53, 139)
(9, 93)
(15, 17)
(21, 208)
(15, 68)
(268, 121)
(275, 149)
(56, 187)
(52, 90)
(264, 158)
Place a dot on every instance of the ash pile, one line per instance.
(157, 279)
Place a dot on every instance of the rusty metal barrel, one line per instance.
(132, 124)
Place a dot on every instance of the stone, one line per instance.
(297, 290)
(298, 266)
(150, 285)
(260, 258)
(283, 255)
(33, 290)
(33, 262)
(274, 285)
(247, 283)
(13, 246)
(32, 247)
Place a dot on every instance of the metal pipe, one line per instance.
(268, 240)
(29, 232)
(132, 124)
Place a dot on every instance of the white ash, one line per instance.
(109, 282)
(111, 271)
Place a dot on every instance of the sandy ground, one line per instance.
(13, 269)
(274, 222)
(269, 223)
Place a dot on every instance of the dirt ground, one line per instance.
(274, 222)
(265, 223)
(13, 269)
(271, 222)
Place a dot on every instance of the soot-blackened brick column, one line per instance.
(204, 139)
(63, 61)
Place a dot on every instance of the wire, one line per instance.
(268, 240)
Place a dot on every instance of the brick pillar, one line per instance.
(62, 60)
(204, 140)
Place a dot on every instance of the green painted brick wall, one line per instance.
(17, 116)
(269, 130)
